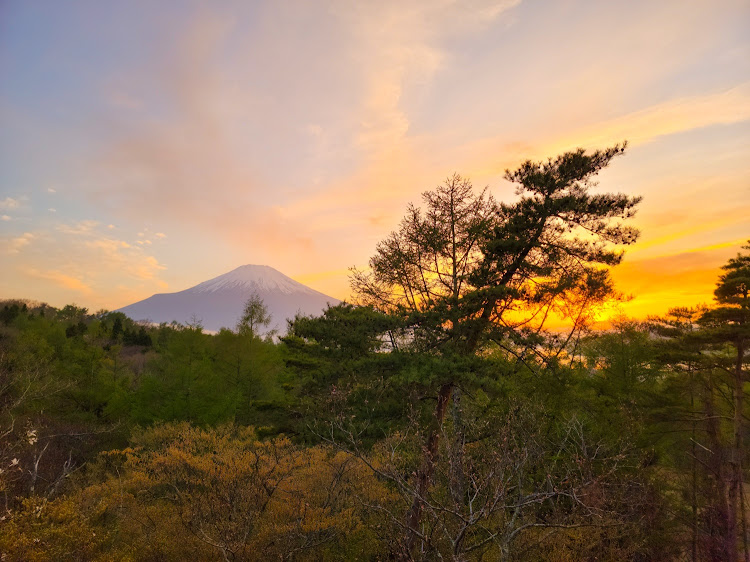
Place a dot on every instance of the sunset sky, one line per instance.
(148, 146)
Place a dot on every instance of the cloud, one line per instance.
(107, 245)
(314, 130)
(5, 218)
(147, 269)
(118, 256)
(680, 229)
(402, 47)
(668, 118)
(14, 245)
(490, 156)
(83, 227)
(51, 190)
(160, 235)
(204, 162)
(9, 203)
(60, 278)
(81, 257)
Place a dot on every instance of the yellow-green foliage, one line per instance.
(184, 493)
(63, 529)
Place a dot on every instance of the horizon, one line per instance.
(149, 148)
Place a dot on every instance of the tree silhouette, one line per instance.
(466, 274)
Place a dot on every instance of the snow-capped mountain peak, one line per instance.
(252, 277)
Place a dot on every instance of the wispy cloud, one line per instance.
(15, 245)
(668, 118)
(9, 203)
(82, 257)
(107, 245)
(83, 227)
(61, 279)
(199, 167)
(491, 156)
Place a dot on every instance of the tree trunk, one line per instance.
(721, 523)
(736, 496)
(424, 475)
(694, 486)
(744, 520)
(457, 486)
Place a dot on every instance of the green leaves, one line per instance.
(255, 316)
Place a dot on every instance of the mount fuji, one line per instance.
(219, 302)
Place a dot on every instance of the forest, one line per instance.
(463, 407)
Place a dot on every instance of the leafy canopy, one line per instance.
(466, 270)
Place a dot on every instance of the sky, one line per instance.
(148, 146)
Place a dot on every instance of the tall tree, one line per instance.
(704, 350)
(466, 273)
(254, 316)
(727, 329)
(688, 394)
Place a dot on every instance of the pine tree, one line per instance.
(726, 329)
(466, 274)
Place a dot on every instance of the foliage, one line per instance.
(468, 271)
(468, 276)
(181, 492)
(705, 350)
(254, 316)
(43, 531)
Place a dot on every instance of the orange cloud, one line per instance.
(14, 245)
(148, 269)
(62, 279)
(81, 227)
(639, 127)
(49, 264)
(668, 118)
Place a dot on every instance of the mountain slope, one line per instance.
(218, 302)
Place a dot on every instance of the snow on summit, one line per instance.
(257, 277)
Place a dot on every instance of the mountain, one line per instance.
(218, 302)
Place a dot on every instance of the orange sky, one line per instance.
(146, 147)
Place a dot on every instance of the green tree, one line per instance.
(704, 352)
(255, 316)
(182, 383)
(726, 332)
(467, 275)
(249, 369)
